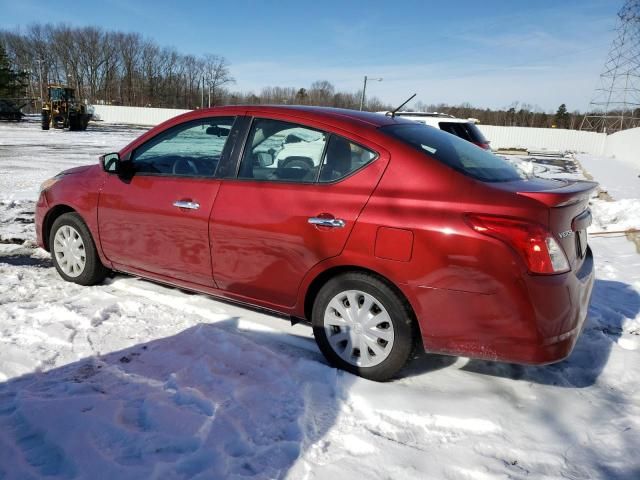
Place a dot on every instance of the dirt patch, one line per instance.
(635, 238)
(12, 241)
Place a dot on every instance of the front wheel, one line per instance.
(363, 326)
(74, 252)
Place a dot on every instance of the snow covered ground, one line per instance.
(133, 380)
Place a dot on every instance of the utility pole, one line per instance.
(364, 90)
(202, 93)
(39, 61)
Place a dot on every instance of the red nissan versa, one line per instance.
(384, 233)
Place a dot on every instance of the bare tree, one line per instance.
(321, 93)
(217, 75)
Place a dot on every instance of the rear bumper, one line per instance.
(535, 320)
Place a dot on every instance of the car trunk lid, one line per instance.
(568, 206)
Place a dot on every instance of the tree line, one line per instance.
(12, 82)
(516, 115)
(118, 68)
(113, 67)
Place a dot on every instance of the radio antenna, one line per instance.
(393, 114)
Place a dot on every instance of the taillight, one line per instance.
(535, 244)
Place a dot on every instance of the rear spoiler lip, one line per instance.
(574, 192)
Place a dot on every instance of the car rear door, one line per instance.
(271, 223)
(156, 218)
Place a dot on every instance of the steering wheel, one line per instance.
(185, 166)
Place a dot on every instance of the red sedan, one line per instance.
(385, 234)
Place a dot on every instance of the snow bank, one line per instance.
(619, 178)
(624, 146)
(615, 216)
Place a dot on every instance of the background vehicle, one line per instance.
(292, 148)
(63, 110)
(11, 108)
(398, 236)
(459, 127)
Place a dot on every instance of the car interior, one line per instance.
(258, 164)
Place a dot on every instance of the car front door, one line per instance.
(155, 218)
(293, 203)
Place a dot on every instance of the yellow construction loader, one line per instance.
(62, 110)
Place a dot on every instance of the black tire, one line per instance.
(400, 313)
(46, 121)
(94, 272)
(74, 123)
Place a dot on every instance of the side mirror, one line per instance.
(110, 162)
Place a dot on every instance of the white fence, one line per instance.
(134, 115)
(624, 145)
(544, 139)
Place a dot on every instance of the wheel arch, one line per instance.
(51, 217)
(323, 277)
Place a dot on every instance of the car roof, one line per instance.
(341, 118)
(326, 114)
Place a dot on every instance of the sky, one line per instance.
(488, 53)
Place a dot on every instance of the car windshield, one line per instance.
(458, 154)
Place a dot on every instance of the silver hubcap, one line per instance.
(68, 248)
(358, 328)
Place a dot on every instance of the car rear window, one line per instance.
(466, 130)
(451, 150)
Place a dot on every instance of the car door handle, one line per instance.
(186, 204)
(327, 222)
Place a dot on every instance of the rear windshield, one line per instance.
(468, 131)
(451, 150)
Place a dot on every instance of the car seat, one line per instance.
(338, 161)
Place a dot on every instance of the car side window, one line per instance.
(192, 149)
(343, 157)
(282, 151)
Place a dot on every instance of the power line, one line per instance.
(616, 102)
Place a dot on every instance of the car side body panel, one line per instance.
(406, 216)
(140, 226)
(263, 244)
(78, 191)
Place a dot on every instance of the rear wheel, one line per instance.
(363, 326)
(74, 252)
(46, 120)
(74, 123)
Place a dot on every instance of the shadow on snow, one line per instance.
(205, 403)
